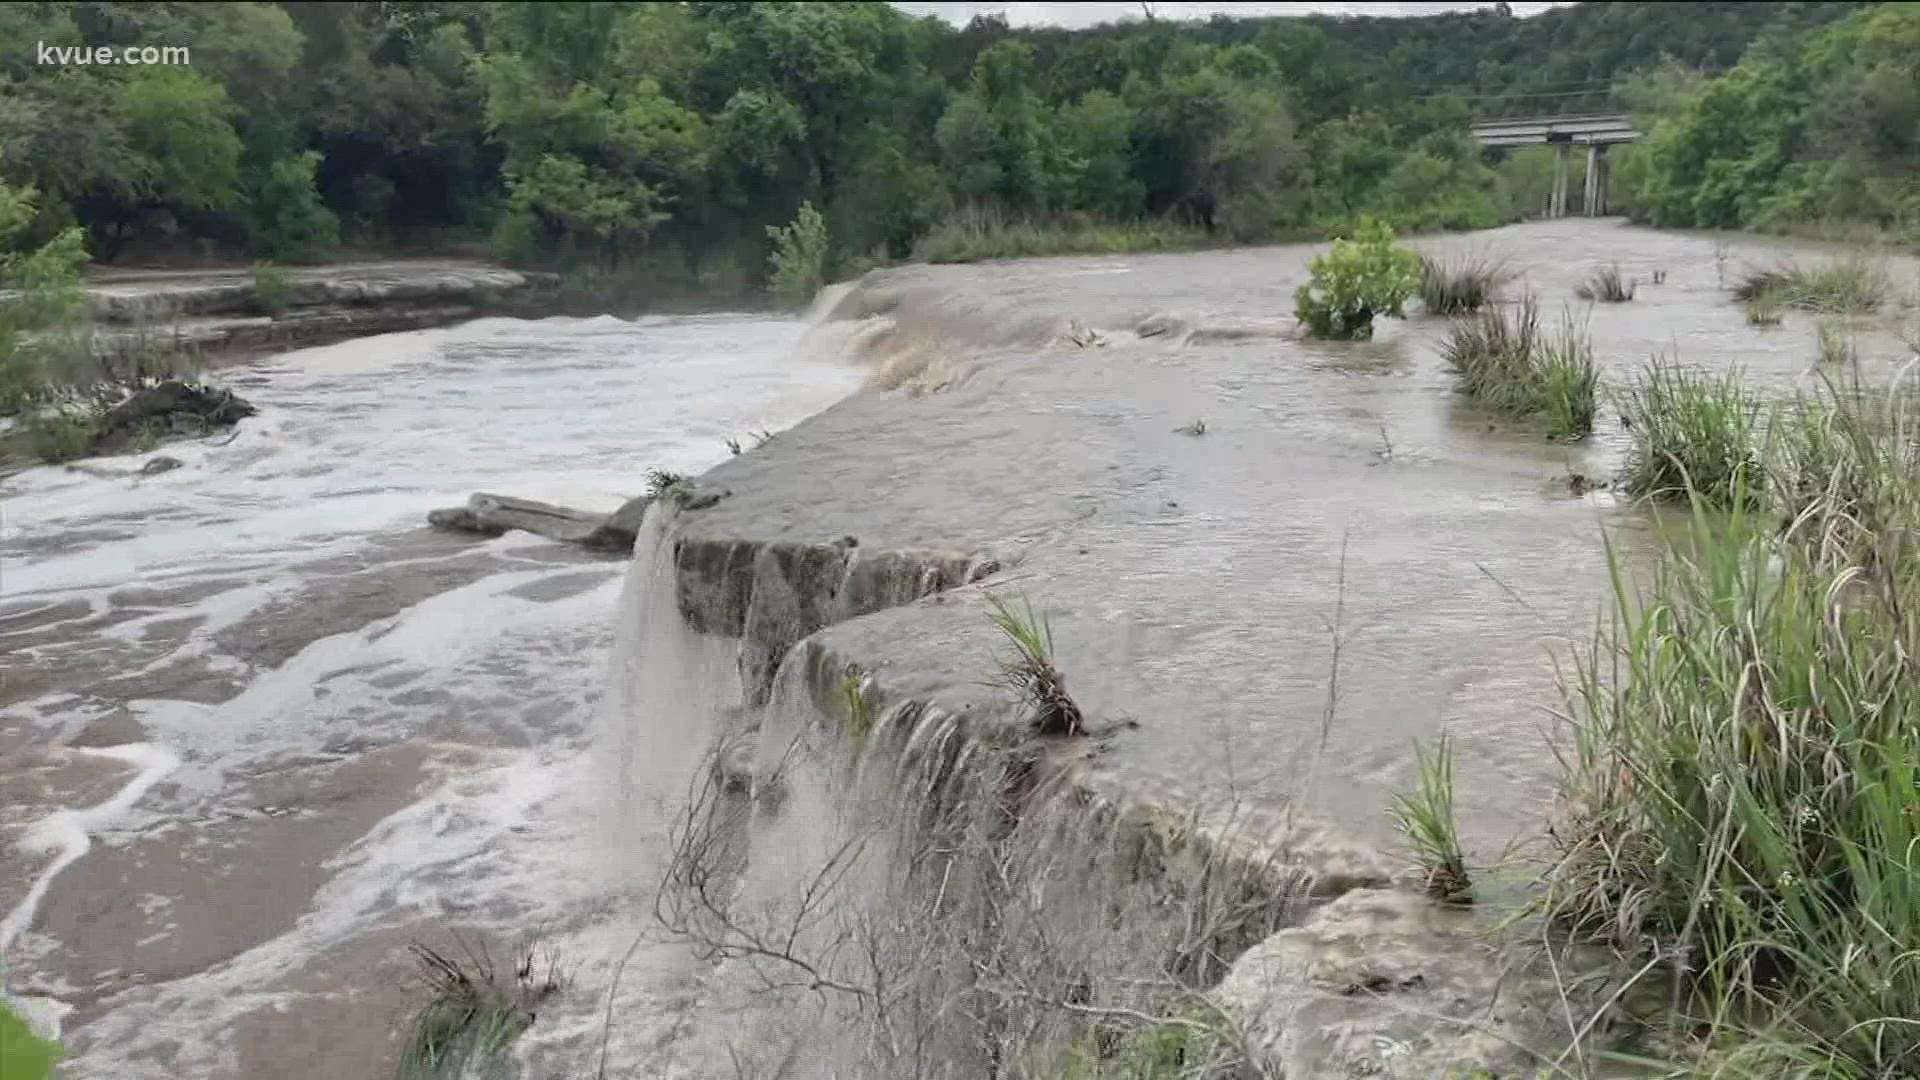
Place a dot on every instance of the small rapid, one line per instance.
(260, 728)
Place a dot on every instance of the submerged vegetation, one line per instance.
(1607, 286)
(798, 264)
(1842, 286)
(272, 291)
(1694, 436)
(1569, 383)
(1501, 358)
(666, 484)
(473, 1012)
(1764, 309)
(974, 237)
(1460, 286)
(859, 708)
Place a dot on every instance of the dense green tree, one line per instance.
(667, 139)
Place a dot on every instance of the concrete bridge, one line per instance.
(1597, 129)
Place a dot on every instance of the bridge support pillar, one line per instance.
(1595, 204)
(1557, 202)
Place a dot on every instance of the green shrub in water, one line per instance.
(1362, 277)
(797, 268)
(272, 292)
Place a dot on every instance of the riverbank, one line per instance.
(145, 325)
(226, 314)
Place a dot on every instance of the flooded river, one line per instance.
(259, 729)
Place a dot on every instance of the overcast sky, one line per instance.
(1087, 14)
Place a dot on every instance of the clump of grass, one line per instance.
(666, 484)
(853, 696)
(1425, 818)
(1739, 806)
(1569, 383)
(1693, 435)
(1458, 287)
(1027, 669)
(1606, 285)
(1841, 461)
(1492, 354)
(1503, 359)
(1765, 309)
(473, 1011)
(1836, 347)
(1765, 281)
(1850, 285)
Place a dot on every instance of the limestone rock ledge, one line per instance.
(772, 594)
(1333, 973)
(1386, 982)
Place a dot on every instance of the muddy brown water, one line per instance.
(378, 733)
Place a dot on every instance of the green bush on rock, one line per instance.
(1362, 277)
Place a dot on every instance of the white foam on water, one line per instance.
(352, 446)
(69, 833)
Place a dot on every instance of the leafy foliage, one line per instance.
(289, 223)
(659, 143)
(43, 299)
(1360, 278)
(272, 291)
(24, 1055)
(798, 265)
(1807, 128)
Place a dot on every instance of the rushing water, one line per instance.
(261, 729)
